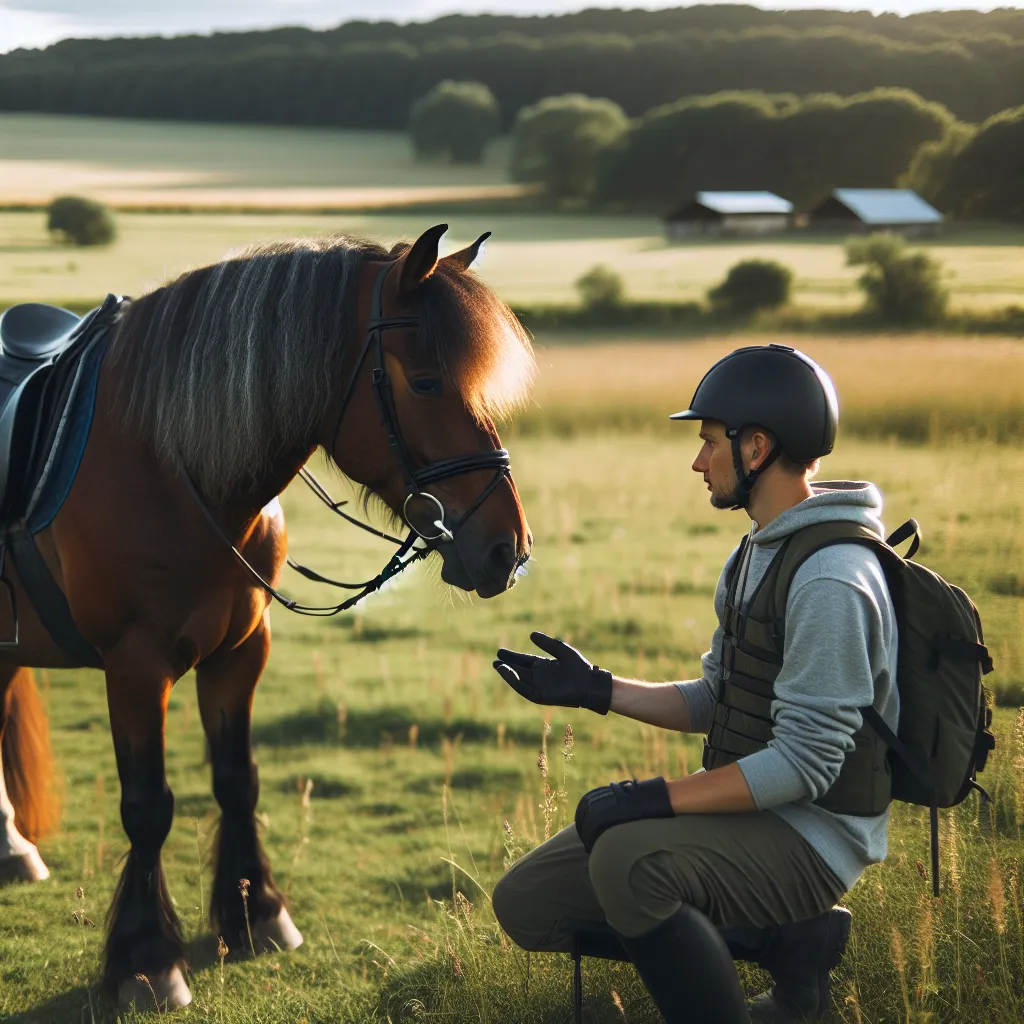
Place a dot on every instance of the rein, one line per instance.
(416, 478)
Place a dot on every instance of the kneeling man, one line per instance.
(747, 858)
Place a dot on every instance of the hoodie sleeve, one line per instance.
(839, 624)
(700, 694)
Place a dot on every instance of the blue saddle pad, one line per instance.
(72, 447)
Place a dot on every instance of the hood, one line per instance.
(849, 500)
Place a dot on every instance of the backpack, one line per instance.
(942, 739)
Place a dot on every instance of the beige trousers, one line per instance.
(740, 870)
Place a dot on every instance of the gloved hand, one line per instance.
(566, 679)
(618, 803)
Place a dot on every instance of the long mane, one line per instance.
(231, 367)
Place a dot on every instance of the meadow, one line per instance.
(286, 177)
(400, 775)
(532, 258)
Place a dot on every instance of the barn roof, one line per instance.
(744, 202)
(888, 206)
(732, 203)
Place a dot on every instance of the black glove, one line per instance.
(566, 679)
(618, 803)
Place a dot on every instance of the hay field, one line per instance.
(417, 753)
(531, 258)
(154, 165)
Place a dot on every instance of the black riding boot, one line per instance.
(688, 971)
(799, 957)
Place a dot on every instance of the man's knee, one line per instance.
(517, 914)
(638, 883)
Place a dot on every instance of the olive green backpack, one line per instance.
(943, 738)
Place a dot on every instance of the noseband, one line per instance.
(416, 478)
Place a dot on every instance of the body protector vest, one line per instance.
(943, 739)
(751, 659)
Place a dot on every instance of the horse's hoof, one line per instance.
(161, 992)
(25, 867)
(277, 934)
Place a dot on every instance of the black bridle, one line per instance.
(416, 478)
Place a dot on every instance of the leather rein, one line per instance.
(416, 478)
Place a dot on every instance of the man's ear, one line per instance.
(465, 258)
(419, 262)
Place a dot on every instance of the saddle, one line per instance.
(45, 354)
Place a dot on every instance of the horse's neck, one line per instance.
(247, 504)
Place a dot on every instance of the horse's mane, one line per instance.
(231, 366)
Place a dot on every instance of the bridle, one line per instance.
(423, 512)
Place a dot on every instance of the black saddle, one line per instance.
(42, 359)
(41, 349)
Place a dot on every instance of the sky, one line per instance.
(34, 23)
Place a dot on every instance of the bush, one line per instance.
(601, 289)
(454, 119)
(900, 287)
(558, 141)
(752, 285)
(81, 221)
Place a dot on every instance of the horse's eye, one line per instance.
(430, 387)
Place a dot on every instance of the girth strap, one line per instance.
(48, 599)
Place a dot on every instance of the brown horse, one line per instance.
(213, 393)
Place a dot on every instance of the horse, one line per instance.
(213, 392)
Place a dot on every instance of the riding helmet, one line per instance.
(772, 386)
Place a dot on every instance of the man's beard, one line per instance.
(726, 499)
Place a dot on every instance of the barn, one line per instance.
(729, 213)
(875, 209)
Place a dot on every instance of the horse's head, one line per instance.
(439, 357)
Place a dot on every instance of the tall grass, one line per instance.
(914, 389)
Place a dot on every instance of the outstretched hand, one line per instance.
(566, 679)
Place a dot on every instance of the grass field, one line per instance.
(532, 257)
(152, 164)
(389, 751)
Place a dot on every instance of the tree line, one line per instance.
(585, 150)
(363, 75)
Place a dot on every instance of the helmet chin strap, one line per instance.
(745, 481)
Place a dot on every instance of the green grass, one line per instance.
(627, 554)
(534, 258)
(108, 154)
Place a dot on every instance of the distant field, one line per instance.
(532, 258)
(165, 164)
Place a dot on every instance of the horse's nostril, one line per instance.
(501, 559)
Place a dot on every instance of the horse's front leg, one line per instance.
(246, 907)
(144, 943)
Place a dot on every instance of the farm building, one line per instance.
(875, 209)
(729, 213)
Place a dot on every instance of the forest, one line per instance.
(367, 75)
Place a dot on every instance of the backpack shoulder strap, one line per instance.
(810, 540)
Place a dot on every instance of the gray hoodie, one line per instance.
(840, 655)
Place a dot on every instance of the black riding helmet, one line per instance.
(771, 386)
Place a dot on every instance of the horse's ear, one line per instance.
(419, 262)
(465, 258)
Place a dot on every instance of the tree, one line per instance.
(751, 285)
(899, 286)
(984, 179)
(81, 221)
(799, 148)
(929, 170)
(558, 141)
(601, 289)
(454, 119)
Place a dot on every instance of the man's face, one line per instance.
(715, 465)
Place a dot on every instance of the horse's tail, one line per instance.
(27, 760)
